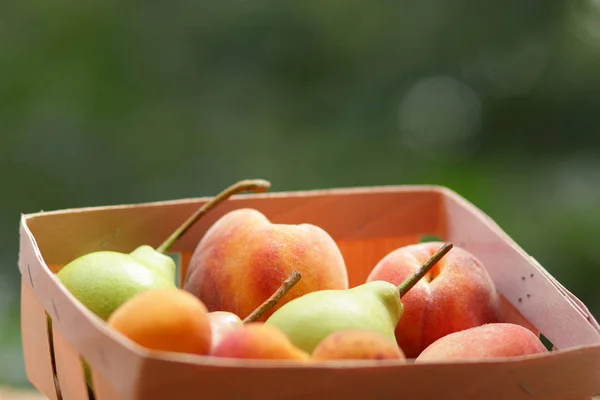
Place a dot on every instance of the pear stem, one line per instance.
(275, 297)
(254, 185)
(416, 277)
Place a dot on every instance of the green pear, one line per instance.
(103, 280)
(376, 305)
(155, 261)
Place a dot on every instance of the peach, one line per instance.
(456, 294)
(256, 340)
(166, 320)
(221, 324)
(357, 344)
(494, 340)
(243, 258)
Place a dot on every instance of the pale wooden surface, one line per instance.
(8, 394)
(21, 394)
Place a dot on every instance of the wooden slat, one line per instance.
(36, 346)
(103, 390)
(69, 369)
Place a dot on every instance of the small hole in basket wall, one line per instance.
(50, 338)
(87, 374)
(91, 394)
(546, 342)
(430, 238)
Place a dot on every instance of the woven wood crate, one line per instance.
(366, 223)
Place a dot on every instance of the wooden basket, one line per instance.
(366, 223)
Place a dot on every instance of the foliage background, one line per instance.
(120, 102)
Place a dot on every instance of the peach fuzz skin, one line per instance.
(256, 340)
(456, 294)
(486, 341)
(166, 320)
(243, 259)
(357, 344)
(221, 323)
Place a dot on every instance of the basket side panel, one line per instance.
(103, 390)
(517, 277)
(561, 375)
(36, 343)
(511, 314)
(80, 332)
(69, 369)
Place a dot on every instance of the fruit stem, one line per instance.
(416, 277)
(254, 185)
(275, 297)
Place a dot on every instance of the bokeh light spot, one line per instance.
(439, 115)
(584, 21)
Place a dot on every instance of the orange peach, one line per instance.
(243, 258)
(256, 340)
(495, 340)
(456, 294)
(165, 319)
(357, 344)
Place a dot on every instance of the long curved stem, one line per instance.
(254, 185)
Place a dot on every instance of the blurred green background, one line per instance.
(120, 102)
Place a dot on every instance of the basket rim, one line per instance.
(334, 191)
